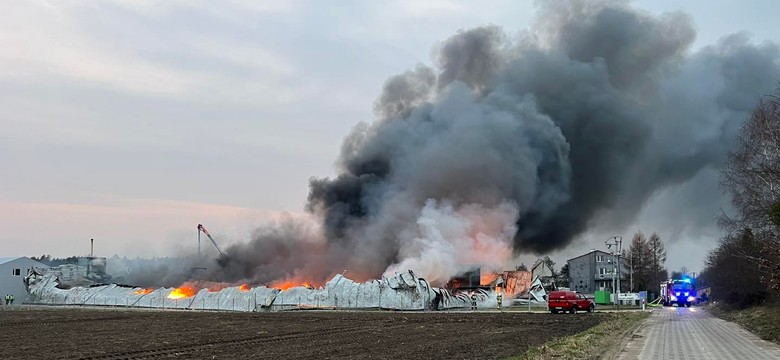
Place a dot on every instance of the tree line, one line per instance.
(744, 269)
(52, 261)
(645, 260)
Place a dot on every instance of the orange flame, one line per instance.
(288, 284)
(183, 291)
(486, 278)
(215, 287)
(244, 287)
(282, 285)
(143, 291)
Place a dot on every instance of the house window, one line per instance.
(603, 271)
(599, 258)
(17, 272)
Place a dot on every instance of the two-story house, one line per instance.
(593, 271)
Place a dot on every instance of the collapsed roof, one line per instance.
(404, 291)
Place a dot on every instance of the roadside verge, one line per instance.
(763, 321)
(603, 341)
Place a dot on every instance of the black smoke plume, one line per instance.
(587, 114)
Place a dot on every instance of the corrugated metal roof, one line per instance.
(9, 259)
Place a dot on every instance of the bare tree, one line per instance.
(563, 278)
(550, 264)
(659, 258)
(734, 277)
(752, 174)
(752, 179)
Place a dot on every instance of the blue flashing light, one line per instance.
(686, 293)
(687, 280)
(677, 293)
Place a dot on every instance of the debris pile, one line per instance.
(78, 275)
(404, 291)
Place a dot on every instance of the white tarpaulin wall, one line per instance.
(404, 291)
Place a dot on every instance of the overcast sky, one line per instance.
(132, 121)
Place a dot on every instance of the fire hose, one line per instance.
(655, 303)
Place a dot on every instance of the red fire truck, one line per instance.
(678, 291)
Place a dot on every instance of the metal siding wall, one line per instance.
(579, 271)
(14, 285)
(592, 262)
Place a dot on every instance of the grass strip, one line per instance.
(763, 321)
(597, 342)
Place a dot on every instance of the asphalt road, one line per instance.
(692, 333)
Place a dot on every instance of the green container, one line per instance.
(603, 297)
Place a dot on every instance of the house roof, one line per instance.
(9, 259)
(587, 253)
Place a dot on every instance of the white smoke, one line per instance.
(450, 241)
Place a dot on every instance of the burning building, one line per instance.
(516, 283)
(405, 291)
(511, 284)
(469, 280)
(510, 145)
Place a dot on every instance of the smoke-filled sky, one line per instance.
(555, 127)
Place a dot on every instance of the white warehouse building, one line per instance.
(12, 273)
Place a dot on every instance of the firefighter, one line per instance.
(498, 300)
(7, 299)
(473, 301)
(12, 299)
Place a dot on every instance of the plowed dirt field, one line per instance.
(82, 333)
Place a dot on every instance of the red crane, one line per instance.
(202, 229)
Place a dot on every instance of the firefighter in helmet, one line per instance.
(499, 297)
(473, 301)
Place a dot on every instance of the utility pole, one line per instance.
(620, 268)
(617, 242)
(612, 254)
(615, 290)
(631, 271)
(655, 266)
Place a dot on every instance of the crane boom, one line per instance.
(202, 229)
